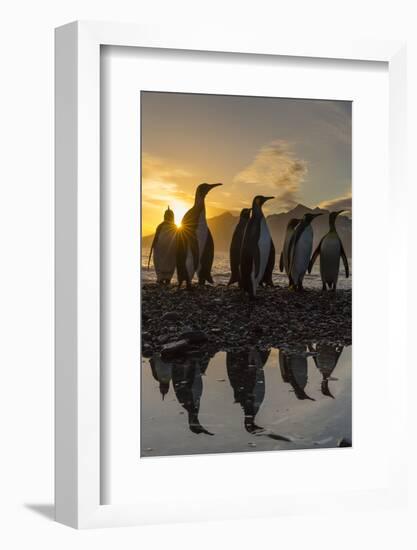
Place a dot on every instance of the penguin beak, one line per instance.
(339, 212)
(213, 185)
(267, 199)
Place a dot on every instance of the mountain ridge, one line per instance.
(223, 225)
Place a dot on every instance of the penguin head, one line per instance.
(204, 188)
(308, 218)
(245, 213)
(333, 216)
(169, 215)
(258, 201)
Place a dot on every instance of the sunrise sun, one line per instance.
(179, 208)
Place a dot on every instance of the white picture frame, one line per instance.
(77, 244)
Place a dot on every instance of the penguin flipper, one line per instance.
(345, 261)
(267, 278)
(207, 260)
(293, 243)
(314, 256)
(154, 242)
(257, 261)
(181, 255)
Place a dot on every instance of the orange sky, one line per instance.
(295, 150)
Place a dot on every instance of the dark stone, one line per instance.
(194, 337)
(171, 316)
(345, 443)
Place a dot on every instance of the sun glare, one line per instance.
(179, 208)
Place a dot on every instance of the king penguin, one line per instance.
(236, 245)
(284, 260)
(331, 250)
(300, 247)
(195, 247)
(257, 248)
(164, 248)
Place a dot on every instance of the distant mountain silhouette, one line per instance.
(222, 228)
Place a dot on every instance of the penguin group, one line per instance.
(189, 248)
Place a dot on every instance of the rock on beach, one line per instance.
(217, 318)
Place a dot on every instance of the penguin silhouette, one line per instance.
(188, 388)
(258, 254)
(331, 250)
(300, 247)
(245, 370)
(294, 371)
(195, 247)
(284, 260)
(164, 248)
(326, 357)
(236, 246)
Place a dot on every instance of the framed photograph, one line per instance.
(225, 326)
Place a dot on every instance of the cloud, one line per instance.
(164, 183)
(161, 181)
(275, 170)
(339, 203)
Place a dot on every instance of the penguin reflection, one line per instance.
(245, 370)
(294, 371)
(326, 358)
(188, 387)
(162, 372)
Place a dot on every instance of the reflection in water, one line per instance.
(245, 370)
(188, 387)
(294, 371)
(247, 378)
(162, 372)
(251, 380)
(326, 357)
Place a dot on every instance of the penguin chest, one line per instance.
(330, 259)
(165, 253)
(302, 254)
(264, 247)
(286, 250)
(202, 232)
